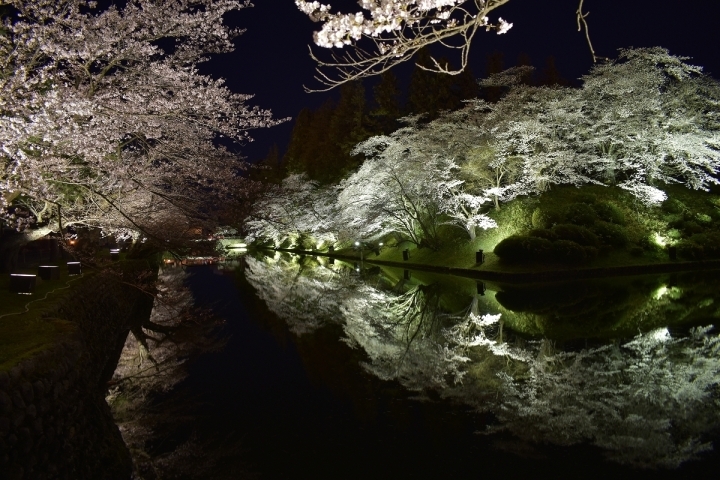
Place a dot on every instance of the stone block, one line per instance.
(4, 381)
(27, 391)
(39, 389)
(5, 402)
(17, 400)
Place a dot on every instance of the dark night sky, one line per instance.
(271, 58)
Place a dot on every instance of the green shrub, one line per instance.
(585, 197)
(566, 251)
(543, 233)
(672, 205)
(690, 250)
(580, 214)
(610, 234)
(577, 234)
(591, 253)
(609, 212)
(692, 227)
(546, 217)
(522, 248)
(710, 243)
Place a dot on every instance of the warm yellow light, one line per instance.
(660, 240)
(660, 292)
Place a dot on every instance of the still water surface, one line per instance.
(345, 371)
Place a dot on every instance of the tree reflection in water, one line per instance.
(649, 401)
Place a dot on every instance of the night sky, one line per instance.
(272, 62)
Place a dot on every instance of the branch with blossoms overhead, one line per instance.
(396, 29)
(392, 31)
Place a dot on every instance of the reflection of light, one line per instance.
(661, 335)
(672, 292)
(381, 244)
(660, 292)
(238, 245)
(357, 244)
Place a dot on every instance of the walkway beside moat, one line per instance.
(494, 271)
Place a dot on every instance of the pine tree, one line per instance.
(387, 107)
(431, 93)
(495, 63)
(550, 75)
(271, 170)
(295, 154)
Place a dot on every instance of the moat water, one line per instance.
(335, 370)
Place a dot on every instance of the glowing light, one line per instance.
(659, 239)
(660, 335)
(660, 292)
(357, 244)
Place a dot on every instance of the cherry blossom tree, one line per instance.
(106, 122)
(298, 206)
(394, 31)
(641, 121)
(408, 188)
(389, 32)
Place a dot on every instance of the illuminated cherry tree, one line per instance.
(646, 119)
(394, 31)
(409, 186)
(107, 123)
(297, 207)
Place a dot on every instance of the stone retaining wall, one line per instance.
(54, 422)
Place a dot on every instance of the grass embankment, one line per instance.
(23, 330)
(567, 230)
(26, 328)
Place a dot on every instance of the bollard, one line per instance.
(481, 288)
(406, 274)
(406, 255)
(331, 249)
(479, 257)
(22, 283)
(49, 272)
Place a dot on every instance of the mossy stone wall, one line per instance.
(54, 422)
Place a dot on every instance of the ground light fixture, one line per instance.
(49, 272)
(22, 283)
(74, 268)
(114, 254)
